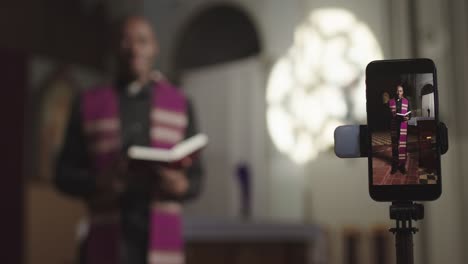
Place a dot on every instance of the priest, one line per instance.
(134, 207)
(400, 109)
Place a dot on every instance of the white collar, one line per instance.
(134, 88)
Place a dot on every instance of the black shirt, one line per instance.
(74, 177)
(398, 106)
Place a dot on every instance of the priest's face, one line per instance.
(138, 48)
(399, 91)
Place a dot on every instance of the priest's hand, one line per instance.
(174, 180)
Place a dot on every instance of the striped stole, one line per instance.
(99, 110)
(168, 119)
(396, 125)
(168, 124)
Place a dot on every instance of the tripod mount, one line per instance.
(404, 213)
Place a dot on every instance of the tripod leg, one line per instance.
(404, 246)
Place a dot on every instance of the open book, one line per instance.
(177, 153)
(407, 113)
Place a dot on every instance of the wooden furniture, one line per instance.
(427, 138)
(231, 242)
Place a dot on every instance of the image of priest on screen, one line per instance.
(401, 113)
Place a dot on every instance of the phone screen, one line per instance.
(402, 120)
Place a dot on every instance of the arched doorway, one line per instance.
(217, 65)
(217, 34)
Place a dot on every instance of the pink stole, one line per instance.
(99, 109)
(100, 113)
(403, 127)
(165, 232)
(168, 124)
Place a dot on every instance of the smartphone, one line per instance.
(403, 139)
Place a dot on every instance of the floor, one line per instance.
(382, 159)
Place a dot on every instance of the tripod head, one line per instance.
(406, 210)
(404, 213)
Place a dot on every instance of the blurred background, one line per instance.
(270, 80)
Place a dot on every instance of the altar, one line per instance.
(236, 241)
